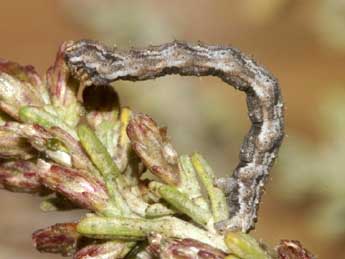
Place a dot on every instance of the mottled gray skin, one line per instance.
(96, 64)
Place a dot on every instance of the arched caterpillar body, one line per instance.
(96, 64)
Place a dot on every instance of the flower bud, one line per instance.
(13, 145)
(19, 86)
(59, 238)
(63, 90)
(182, 248)
(153, 147)
(75, 185)
(20, 176)
(107, 250)
(292, 249)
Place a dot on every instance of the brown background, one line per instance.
(285, 41)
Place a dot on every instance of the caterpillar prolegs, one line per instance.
(96, 64)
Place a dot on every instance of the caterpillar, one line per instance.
(96, 64)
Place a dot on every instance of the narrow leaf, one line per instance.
(217, 198)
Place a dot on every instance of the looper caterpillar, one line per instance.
(96, 64)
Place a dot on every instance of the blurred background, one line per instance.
(301, 42)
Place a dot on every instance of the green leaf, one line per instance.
(184, 204)
(217, 198)
(244, 246)
(103, 161)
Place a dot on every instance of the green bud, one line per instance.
(244, 246)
